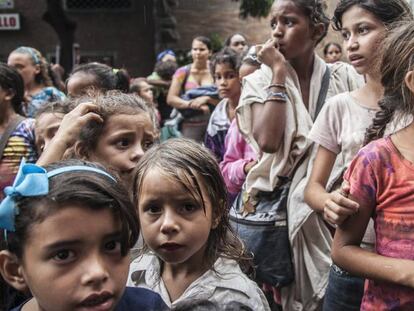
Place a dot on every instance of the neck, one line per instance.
(234, 101)
(33, 87)
(303, 66)
(6, 115)
(372, 91)
(200, 65)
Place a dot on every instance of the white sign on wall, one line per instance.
(6, 4)
(10, 21)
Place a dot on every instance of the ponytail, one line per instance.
(121, 80)
(377, 129)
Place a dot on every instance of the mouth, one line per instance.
(98, 302)
(171, 246)
(356, 59)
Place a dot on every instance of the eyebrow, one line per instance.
(70, 243)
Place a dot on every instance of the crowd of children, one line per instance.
(261, 178)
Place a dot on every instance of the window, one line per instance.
(97, 5)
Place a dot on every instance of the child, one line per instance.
(332, 52)
(339, 131)
(183, 211)
(17, 139)
(225, 69)
(380, 179)
(48, 119)
(141, 87)
(98, 77)
(67, 269)
(33, 68)
(114, 129)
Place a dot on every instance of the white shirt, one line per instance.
(224, 284)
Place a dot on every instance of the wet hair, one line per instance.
(110, 104)
(37, 59)
(188, 163)
(327, 46)
(387, 11)
(88, 190)
(315, 10)
(397, 61)
(204, 40)
(166, 69)
(106, 78)
(226, 56)
(11, 80)
(227, 42)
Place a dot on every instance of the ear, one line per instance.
(37, 68)
(409, 80)
(12, 271)
(9, 94)
(318, 31)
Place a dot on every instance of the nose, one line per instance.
(169, 223)
(223, 82)
(352, 43)
(277, 32)
(95, 273)
(136, 153)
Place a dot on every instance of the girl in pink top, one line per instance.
(381, 182)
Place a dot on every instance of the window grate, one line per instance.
(78, 5)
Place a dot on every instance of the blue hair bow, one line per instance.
(31, 181)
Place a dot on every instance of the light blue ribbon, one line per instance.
(31, 181)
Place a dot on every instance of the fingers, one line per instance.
(341, 200)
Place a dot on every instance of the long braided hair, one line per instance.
(397, 61)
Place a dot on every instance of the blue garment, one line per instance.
(344, 291)
(134, 298)
(209, 90)
(46, 95)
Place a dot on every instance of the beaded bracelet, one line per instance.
(278, 95)
(278, 85)
(275, 99)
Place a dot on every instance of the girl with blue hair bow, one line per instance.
(69, 228)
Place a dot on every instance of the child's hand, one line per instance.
(249, 166)
(338, 207)
(268, 54)
(74, 121)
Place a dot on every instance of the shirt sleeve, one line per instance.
(180, 74)
(327, 127)
(362, 178)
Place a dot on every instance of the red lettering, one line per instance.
(12, 22)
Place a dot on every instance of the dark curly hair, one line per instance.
(11, 80)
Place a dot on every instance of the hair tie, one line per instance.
(31, 52)
(32, 181)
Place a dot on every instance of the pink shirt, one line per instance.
(237, 154)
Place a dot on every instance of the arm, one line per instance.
(268, 119)
(347, 254)
(335, 206)
(69, 131)
(173, 97)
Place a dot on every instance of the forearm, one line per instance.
(177, 102)
(53, 153)
(316, 196)
(373, 266)
(269, 119)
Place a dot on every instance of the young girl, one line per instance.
(237, 42)
(142, 88)
(98, 77)
(17, 139)
(332, 52)
(225, 69)
(183, 211)
(277, 107)
(62, 267)
(380, 179)
(33, 68)
(114, 129)
(339, 131)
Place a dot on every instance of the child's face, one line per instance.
(80, 83)
(71, 262)
(146, 92)
(238, 43)
(292, 29)
(333, 54)
(227, 81)
(23, 63)
(174, 225)
(46, 127)
(362, 33)
(123, 141)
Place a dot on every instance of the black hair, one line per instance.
(63, 106)
(106, 78)
(166, 69)
(11, 80)
(226, 56)
(204, 40)
(315, 9)
(91, 190)
(328, 45)
(387, 11)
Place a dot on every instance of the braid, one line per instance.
(379, 123)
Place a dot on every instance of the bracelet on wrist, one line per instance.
(276, 96)
(277, 85)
